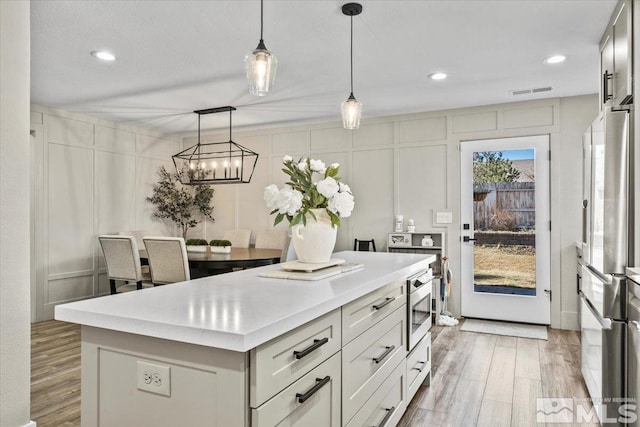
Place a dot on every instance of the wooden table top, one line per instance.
(237, 254)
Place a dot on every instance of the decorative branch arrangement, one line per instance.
(179, 203)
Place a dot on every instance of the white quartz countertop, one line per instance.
(239, 311)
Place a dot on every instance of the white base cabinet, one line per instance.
(313, 400)
(310, 376)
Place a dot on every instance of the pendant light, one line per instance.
(215, 162)
(351, 108)
(261, 65)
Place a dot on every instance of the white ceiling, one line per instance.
(178, 56)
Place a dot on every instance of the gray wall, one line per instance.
(15, 340)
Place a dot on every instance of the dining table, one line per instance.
(202, 264)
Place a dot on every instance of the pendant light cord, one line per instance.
(351, 55)
(261, 17)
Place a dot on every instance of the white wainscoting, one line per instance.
(410, 165)
(406, 164)
(96, 176)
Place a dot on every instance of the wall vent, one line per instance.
(530, 91)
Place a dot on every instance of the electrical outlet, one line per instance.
(154, 378)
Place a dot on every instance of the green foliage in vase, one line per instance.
(491, 167)
(186, 205)
(220, 243)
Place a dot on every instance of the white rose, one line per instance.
(341, 204)
(302, 165)
(287, 159)
(288, 201)
(270, 196)
(318, 166)
(335, 165)
(327, 187)
(344, 187)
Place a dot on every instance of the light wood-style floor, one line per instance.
(477, 379)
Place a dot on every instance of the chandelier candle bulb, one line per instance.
(237, 163)
(226, 169)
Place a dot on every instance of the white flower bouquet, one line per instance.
(311, 185)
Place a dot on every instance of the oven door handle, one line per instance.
(605, 324)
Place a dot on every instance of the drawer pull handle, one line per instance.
(420, 369)
(316, 345)
(320, 382)
(386, 302)
(384, 421)
(384, 355)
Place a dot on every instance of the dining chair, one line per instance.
(122, 259)
(137, 234)
(271, 239)
(364, 245)
(167, 259)
(238, 238)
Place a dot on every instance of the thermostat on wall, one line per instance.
(442, 217)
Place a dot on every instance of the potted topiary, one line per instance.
(220, 246)
(196, 245)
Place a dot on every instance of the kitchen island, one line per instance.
(238, 349)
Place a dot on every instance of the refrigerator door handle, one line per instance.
(637, 324)
(600, 276)
(605, 323)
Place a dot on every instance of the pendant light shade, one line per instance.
(261, 66)
(216, 162)
(351, 108)
(351, 112)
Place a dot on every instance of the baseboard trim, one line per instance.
(30, 424)
(569, 320)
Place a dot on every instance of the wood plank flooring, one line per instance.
(477, 379)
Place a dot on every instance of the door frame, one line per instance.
(474, 304)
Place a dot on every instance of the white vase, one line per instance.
(315, 241)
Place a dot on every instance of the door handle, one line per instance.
(468, 239)
(606, 76)
(637, 324)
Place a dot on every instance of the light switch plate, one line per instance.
(154, 378)
(442, 217)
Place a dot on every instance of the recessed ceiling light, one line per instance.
(555, 59)
(438, 76)
(104, 55)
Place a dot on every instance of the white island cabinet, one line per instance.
(241, 350)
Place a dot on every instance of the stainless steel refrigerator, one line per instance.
(607, 251)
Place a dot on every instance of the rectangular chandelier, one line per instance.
(215, 162)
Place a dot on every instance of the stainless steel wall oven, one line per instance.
(418, 306)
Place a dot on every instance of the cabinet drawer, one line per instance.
(418, 365)
(320, 392)
(281, 361)
(370, 358)
(388, 403)
(366, 311)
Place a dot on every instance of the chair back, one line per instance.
(364, 245)
(138, 234)
(167, 259)
(238, 238)
(271, 239)
(122, 257)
